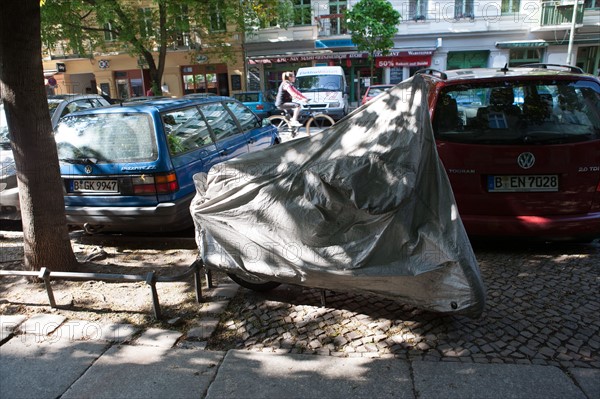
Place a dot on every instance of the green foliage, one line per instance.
(373, 25)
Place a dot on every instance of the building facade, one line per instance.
(441, 34)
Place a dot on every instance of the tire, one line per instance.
(281, 123)
(320, 122)
(258, 285)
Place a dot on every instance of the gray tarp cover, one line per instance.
(365, 206)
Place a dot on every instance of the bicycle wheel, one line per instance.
(318, 123)
(281, 123)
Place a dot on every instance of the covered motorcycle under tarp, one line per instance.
(365, 206)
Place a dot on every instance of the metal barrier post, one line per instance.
(45, 275)
(151, 281)
(198, 280)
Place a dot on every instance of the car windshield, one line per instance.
(106, 138)
(526, 112)
(319, 83)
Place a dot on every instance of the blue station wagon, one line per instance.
(131, 167)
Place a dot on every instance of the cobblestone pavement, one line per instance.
(543, 307)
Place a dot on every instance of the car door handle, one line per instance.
(250, 141)
(223, 152)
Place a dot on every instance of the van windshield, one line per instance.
(319, 83)
(106, 138)
(525, 112)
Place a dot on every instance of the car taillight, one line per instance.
(260, 106)
(160, 183)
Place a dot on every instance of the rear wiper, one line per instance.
(80, 161)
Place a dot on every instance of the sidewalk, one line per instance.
(87, 360)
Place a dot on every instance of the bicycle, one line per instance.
(308, 118)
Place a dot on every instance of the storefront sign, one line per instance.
(61, 67)
(403, 58)
(307, 57)
(200, 59)
(403, 61)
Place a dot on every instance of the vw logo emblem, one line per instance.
(88, 169)
(526, 160)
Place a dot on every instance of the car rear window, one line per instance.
(106, 138)
(524, 112)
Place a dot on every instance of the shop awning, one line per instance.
(305, 56)
(522, 43)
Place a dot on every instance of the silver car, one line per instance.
(58, 105)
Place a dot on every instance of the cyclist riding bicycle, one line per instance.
(288, 97)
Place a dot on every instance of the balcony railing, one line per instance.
(558, 13)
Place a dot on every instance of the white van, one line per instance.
(326, 88)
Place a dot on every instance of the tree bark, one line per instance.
(46, 239)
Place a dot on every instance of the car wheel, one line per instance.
(254, 285)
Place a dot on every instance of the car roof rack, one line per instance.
(432, 72)
(571, 68)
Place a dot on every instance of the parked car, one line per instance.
(262, 103)
(521, 147)
(58, 105)
(131, 168)
(373, 91)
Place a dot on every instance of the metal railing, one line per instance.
(150, 279)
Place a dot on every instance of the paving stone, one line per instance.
(41, 324)
(214, 307)
(85, 330)
(9, 324)
(158, 337)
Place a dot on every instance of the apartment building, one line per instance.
(195, 63)
(441, 34)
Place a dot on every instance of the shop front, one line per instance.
(264, 72)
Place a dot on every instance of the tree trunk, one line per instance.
(46, 240)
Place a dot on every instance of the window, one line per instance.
(338, 24)
(107, 138)
(417, 10)
(186, 130)
(244, 116)
(532, 112)
(302, 12)
(464, 9)
(182, 27)
(520, 56)
(510, 6)
(220, 120)
(591, 4)
(217, 21)
(145, 22)
(109, 35)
